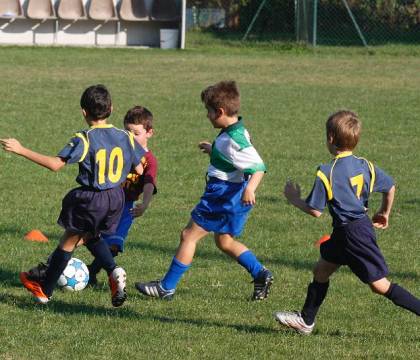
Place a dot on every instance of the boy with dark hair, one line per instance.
(344, 185)
(105, 156)
(234, 174)
(139, 121)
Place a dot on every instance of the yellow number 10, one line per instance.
(116, 155)
(358, 182)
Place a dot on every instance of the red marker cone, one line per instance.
(36, 235)
(323, 239)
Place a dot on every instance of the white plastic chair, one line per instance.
(41, 9)
(71, 10)
(10, 9)
(102, 10)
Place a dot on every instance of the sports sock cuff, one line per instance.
(388, 294)
(179, 263)
(250, 262)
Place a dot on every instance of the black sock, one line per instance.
(314, 298)
(100, 250)
(401, 297)
(56, 264)
(96, 265)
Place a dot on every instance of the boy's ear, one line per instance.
(150, 133)
(84, 113)
(330, 139)
(220, 112)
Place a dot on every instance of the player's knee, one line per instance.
(380, 287)
(320, 274)
(186, 236)
(223, 245)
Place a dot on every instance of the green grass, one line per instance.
(286, 97)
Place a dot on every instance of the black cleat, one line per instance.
(262, 284)
(154, 289)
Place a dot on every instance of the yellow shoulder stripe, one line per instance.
(131, 137)
(327, 184)
(85, 144)
(372, 174)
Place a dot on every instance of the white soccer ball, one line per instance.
(75, 276)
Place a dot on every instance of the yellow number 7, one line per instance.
(358, 182)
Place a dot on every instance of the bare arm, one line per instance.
(381, 218)
(53, 163)
(248, 197)
(140, 209)
(292, 194)
(139, 169)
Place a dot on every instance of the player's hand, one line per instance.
(291, 191)
(248, 196)
(205, 147)
(11, 145)
(380, 221)
(138, 210)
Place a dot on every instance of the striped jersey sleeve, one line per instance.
(234, 156)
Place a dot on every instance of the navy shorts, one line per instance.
(354, 245)
(88, 211)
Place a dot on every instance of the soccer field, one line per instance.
(286, 98)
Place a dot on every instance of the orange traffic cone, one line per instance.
(36, 235)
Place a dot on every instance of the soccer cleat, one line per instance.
(262, 284)
(117, 281)
(155, 289)
(294, 321)
(38, 272)
(34, 287)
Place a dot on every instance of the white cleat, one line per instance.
(294, 321)
(117, 281)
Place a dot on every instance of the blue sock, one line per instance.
(57, 262)
(174, 274)
(249, 261)
(100, 250)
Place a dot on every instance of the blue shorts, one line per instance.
(86, 210)
(354, 245)
(220, 209)
(118, 238)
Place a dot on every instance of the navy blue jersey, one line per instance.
(105, 155)
(345, 185)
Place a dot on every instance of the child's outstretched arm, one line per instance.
(381, 218)
(292, 194)
(53, 163)
(248, 196)
(140, 209)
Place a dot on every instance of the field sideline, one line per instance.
(286, 98)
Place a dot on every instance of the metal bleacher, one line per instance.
(90, 22)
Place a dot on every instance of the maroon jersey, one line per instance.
(134, 184)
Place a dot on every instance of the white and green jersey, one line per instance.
(233, 156)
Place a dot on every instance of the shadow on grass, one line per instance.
(372, 334)
(205, 323)
(56, 306)
(9, 278)
(296, 264)
(218, 255)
